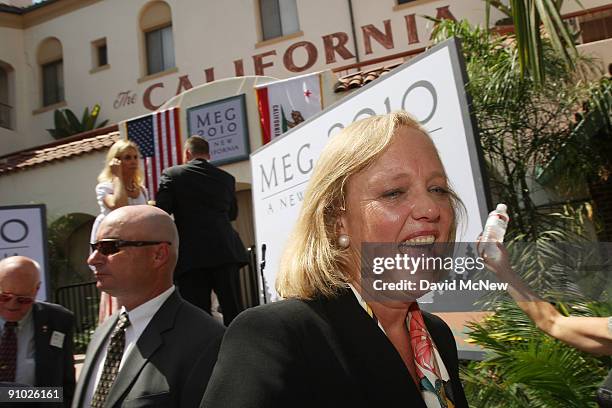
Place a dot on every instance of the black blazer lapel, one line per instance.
(372, 360)
(439, 335)
(148, 343)
(93, 352)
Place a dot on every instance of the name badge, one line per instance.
(57, 339)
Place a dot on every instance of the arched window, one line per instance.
(156, 28)
(51, 62)
(6, 95)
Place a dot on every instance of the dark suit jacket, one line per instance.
(54, 365)
(202, 198)
(320, 353)
(170, 364)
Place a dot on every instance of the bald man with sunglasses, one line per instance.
(158, 350)
(36, 346)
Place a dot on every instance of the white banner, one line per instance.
(430, 87)
(23, 231)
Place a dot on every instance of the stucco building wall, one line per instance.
(212, 40)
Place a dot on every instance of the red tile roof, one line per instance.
(56, 151)
(362, 78)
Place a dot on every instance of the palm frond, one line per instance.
(532, 19)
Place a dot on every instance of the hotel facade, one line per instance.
(130, 57)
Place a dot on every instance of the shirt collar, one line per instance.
(142, 315)
(25, 320)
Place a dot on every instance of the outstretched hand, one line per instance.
(590, 334)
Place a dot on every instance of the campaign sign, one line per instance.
(23, 231)
(431, 87)
(223, 124)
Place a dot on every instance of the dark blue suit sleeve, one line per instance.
(233, 213)
(165, 194)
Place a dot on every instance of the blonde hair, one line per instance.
(115, 152)
(312, 263)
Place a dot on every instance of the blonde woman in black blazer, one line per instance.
(329, 344)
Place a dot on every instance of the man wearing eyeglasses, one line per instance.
(36, 346)
(158, 350)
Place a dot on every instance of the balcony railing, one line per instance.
(5, 116)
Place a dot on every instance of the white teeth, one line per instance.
(421, 240)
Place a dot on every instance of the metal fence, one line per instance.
(83, 299)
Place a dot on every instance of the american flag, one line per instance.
(159, 140)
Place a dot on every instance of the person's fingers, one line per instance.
(479, 246)
(502, 248)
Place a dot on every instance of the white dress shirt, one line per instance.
(26, 365)
(140, 317)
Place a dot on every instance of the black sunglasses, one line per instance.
(111, 246)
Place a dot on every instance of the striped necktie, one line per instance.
(112, 362)
(8, 352)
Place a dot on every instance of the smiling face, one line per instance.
(402, 197)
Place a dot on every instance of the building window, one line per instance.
(53, 82)
(160, 50)
(596, 26)
(99, 53)
(5, 106)
(157, 42)
(50, 60)
(278, 18)
(102, 57)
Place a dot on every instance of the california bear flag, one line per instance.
(285, 104)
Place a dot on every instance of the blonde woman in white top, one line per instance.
(120, 183)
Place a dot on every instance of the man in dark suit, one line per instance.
(36, 346)
(203, 201)
(158, 350)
